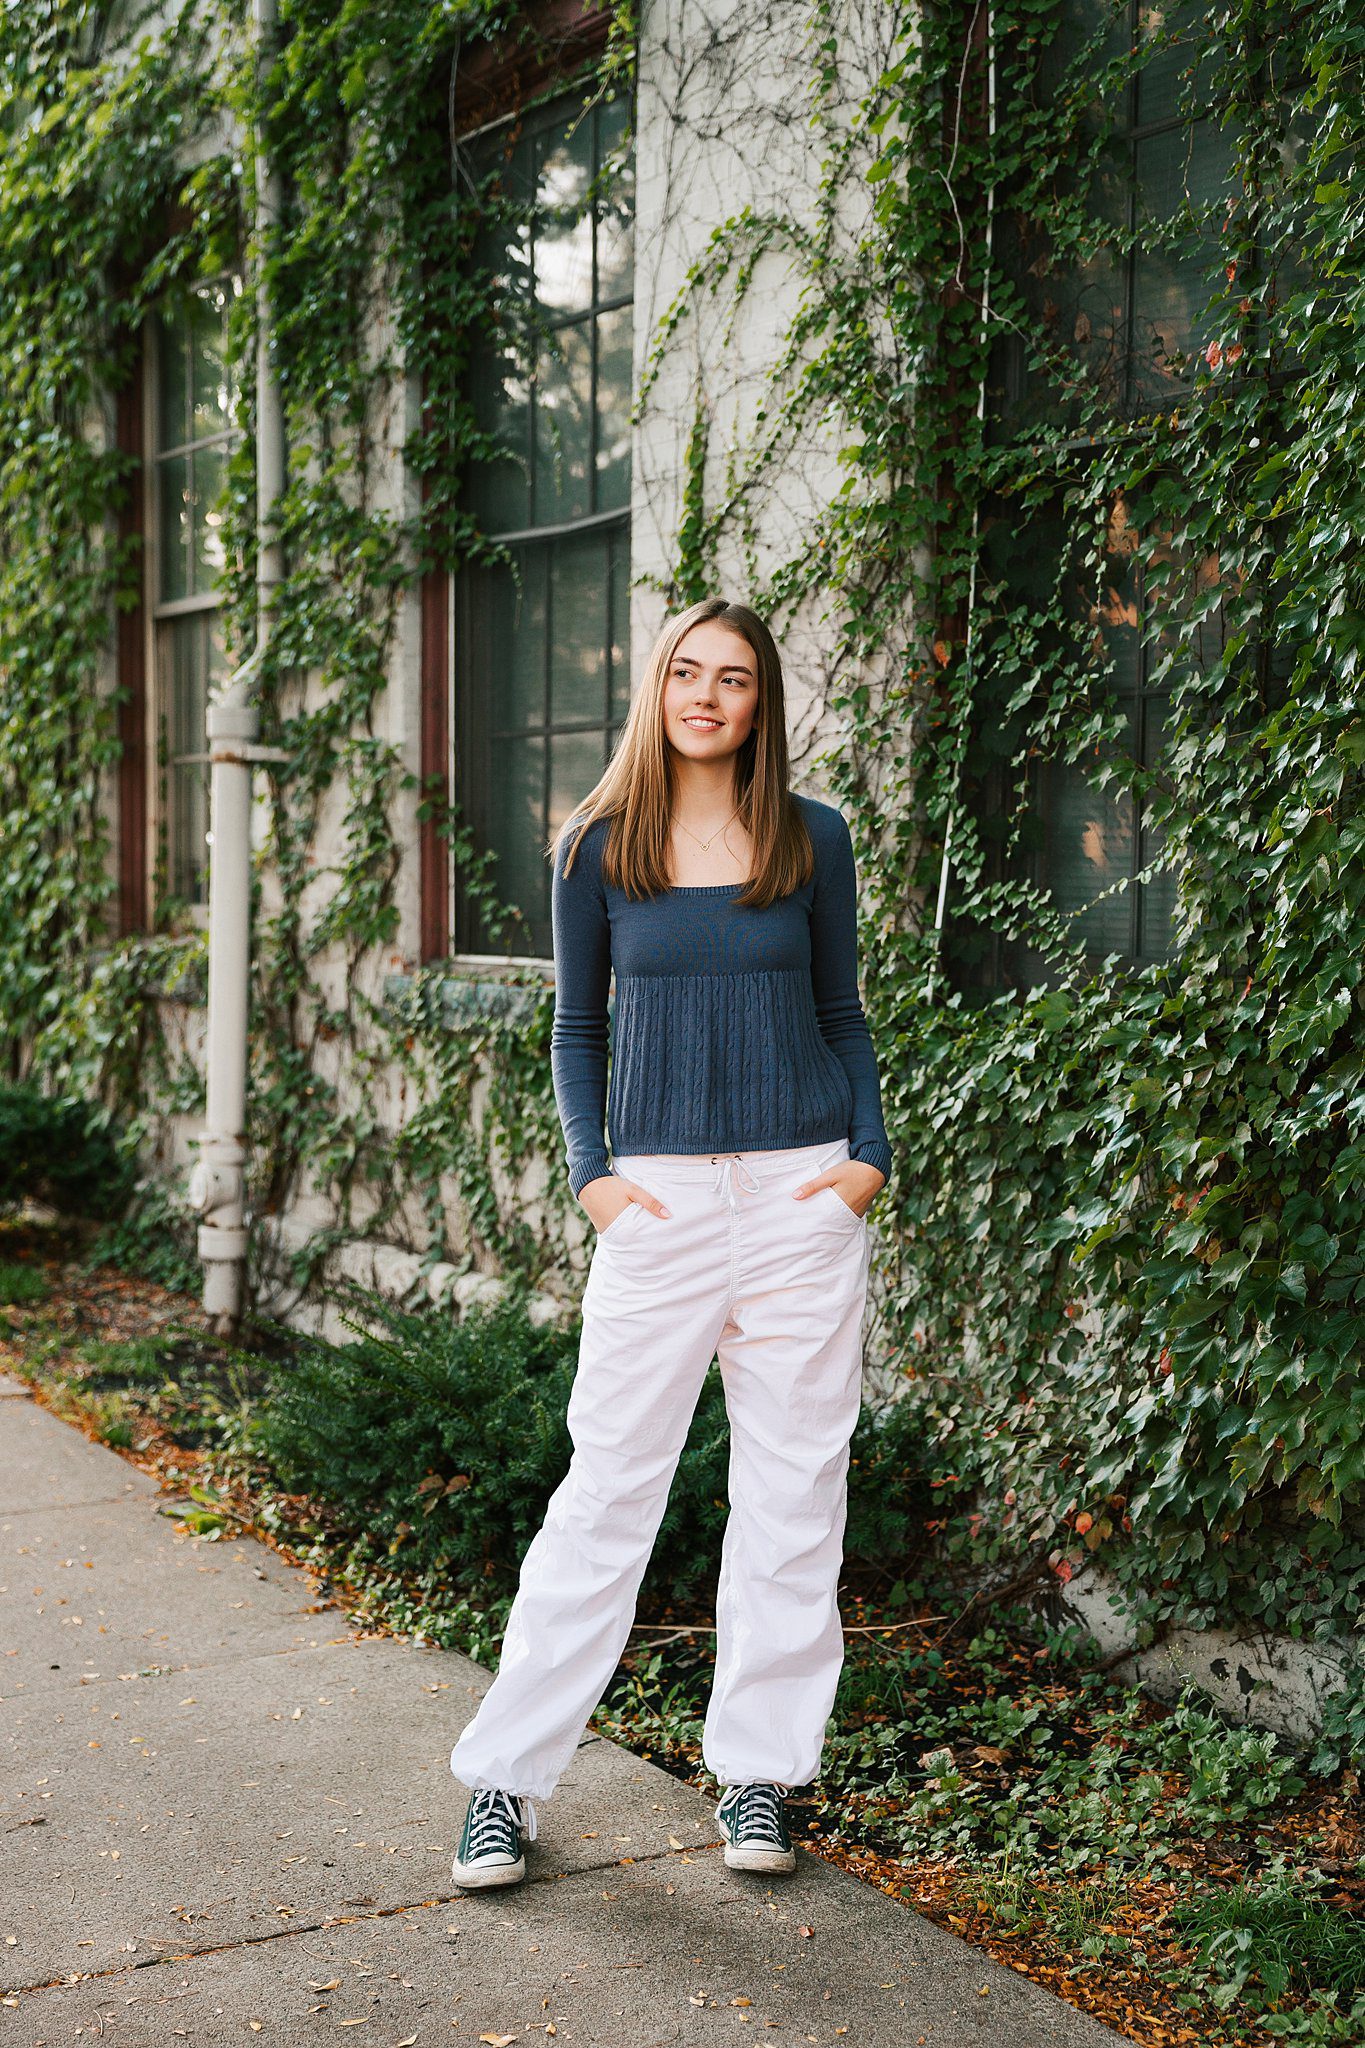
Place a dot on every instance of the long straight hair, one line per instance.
(636, 790)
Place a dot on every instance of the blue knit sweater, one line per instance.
(734, 1030)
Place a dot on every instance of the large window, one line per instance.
(541, 670)
(1121, 330)
(192, 426)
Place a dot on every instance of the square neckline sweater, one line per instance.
(734, 1030)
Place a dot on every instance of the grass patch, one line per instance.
(1278, 1935)
(21, 1286)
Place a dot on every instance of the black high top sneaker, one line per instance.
(490, 1847)
(753, 1821)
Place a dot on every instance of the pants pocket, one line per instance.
(620, 1223)
(850, 1217)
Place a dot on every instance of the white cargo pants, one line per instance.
(775, 1289)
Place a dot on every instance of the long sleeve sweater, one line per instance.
(734, 1029)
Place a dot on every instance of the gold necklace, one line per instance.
(705, 843)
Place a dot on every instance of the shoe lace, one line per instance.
(494, 1818)
(758, 1812)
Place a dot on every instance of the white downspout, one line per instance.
(217, 1185)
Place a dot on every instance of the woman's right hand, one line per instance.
(592, 1197)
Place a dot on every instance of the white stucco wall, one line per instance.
(725, 122)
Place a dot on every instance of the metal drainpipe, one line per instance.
(217, 1184)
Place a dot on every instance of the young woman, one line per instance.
(747, 1141)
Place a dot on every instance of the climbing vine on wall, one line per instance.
(1120, 1268)
(372, 282)
(1122, 1262)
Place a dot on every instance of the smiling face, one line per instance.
(710, 692)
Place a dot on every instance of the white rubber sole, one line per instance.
(480, 1877)
(759, 1859)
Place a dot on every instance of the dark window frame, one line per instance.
(181, 806)
(535, 546)
(1002, 967)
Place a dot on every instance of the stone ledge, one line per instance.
(450, 999)
(1250, 1675)
(389, 1270)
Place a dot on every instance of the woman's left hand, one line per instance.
(858, 1184)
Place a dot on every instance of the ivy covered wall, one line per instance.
(1016, 375)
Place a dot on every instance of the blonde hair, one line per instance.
(636, 789)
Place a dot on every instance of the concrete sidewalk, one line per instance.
(294, 1879)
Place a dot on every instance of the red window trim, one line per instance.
(496, 76)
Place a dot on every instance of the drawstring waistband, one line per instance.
(755, 1167)
(725, 1179)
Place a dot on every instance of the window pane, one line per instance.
(563, 429)
(499, 491)
(1094, 27)
(1287, 262)
(187, 693)
(210, 388)
(208, 554)
(516, 811)
(1176, 79)
(505, 658)
(576, 763)
(1120, 603)
(172, 383)
(615, 207)
(1182, 181)
(173, 524)
(514, 664)
(503, 244)
(1077, 305)
(563, 235)
(614, 338)
(1088, 847)
(192, 661)
(579, 630)
(620, 624)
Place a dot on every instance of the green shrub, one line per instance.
(449, 1438)
(57, 1149)
(153, 1237)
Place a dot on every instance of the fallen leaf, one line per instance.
(806, 1931)
(673, 1842)
(499, 2040)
